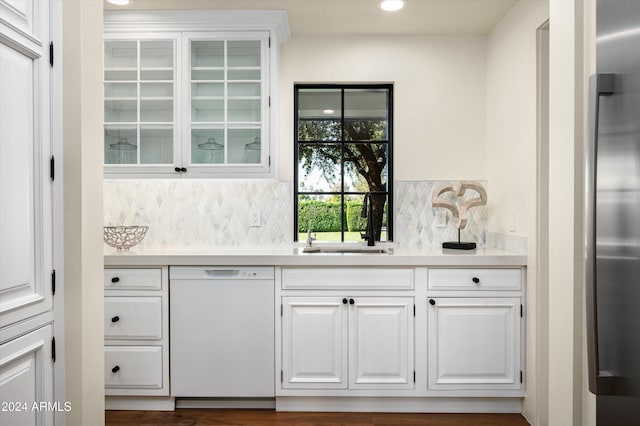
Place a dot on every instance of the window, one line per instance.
(343, 151)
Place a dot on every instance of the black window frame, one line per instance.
(389, 142)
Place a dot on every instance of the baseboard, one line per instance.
(236, 403)
(400, 405)
(151, 403)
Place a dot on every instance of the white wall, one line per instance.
(439, 96)
(511, 152)
(83, 290)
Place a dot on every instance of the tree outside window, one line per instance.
(343, 139)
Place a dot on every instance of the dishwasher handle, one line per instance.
(222, 273)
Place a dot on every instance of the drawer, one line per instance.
(133, 279)
(348, 278)
(133, 367)
(133, 318)
(475, 279)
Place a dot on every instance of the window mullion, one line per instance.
(342, 206)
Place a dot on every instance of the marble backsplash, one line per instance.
(215, 213)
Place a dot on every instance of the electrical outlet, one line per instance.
(254, 217)
(441, 218)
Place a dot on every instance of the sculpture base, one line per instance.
(458, 245)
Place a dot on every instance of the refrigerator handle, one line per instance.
(599, 85)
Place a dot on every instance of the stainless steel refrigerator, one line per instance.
(613, 216)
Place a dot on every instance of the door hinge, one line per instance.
(521, 311)
(520, 376)
(414, 309)
(52, 168)
(414, 376)
(281, 376)
(269, 161)
(269, 101)
(53, 349)
(269, 42)
(53, 282)
(51, 54)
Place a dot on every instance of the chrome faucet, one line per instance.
(367, 211)
(310, 239)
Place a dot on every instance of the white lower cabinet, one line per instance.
(314, 342)
(474, 343)
(136, 332)
(133, 367)
(26, 380)
(475, 331)
(347, 342)
(381, 343)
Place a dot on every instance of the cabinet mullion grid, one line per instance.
(225, 94)
(138, 99)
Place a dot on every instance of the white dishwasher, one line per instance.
(222, 331)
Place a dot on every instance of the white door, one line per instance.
(26, 380)
(314, 342)
(25, 151)
(381, 343)
(474, 343)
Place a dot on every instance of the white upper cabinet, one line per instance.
(140, 103)
(190, 93)
(227, 103)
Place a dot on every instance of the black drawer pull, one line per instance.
(115, 319)
(115, 279)
(344, 301)
(432, 302)
(115, 369)
(351, 301)
(476, 280)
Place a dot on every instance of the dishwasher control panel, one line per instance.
(218, 273)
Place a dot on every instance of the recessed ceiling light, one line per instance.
(119, 2)
(391, 5)
(328, 111)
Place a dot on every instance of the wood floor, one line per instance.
(202, 417)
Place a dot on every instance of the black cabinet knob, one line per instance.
(183, 169)
(115, 369)
(475, 280)
(115, 319)
(344, 300)
(115, 279)
(432, 302)
(178, 169)
(351, 301)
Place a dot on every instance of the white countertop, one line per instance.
(292, 256)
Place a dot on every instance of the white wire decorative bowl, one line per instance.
(124, 237)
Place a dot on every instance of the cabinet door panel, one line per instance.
(141, 103)
(314, 342)
(132, 367)
(475, 279)
(26, 378)
(474, 343)
(25, 187)
(133, 279)
(133, 318)
(381, 343)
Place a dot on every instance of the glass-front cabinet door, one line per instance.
(140, 111)
(226, 107)
(193, 104)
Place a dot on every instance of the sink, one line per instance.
(357, 250)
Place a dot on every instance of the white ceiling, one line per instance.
(344, 17)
